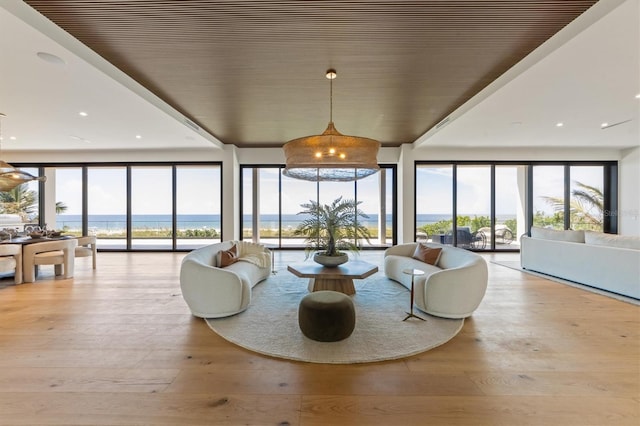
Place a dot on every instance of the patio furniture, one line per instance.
(466, 239)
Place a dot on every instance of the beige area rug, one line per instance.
(270, 325)
(515, 264)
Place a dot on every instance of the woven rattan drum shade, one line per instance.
(331, 156)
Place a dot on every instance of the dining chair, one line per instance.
(87, 247)
(11, 260)
(60, 253)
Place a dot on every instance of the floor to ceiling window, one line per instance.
(473, 206)
(107, 206)
(510, 202)
(151, 207)
(434, 202)
(141, 207)
(198, 205)
(548, 196)
(489, 201)
(271, 203)
(69, 200)
(294, 193)
(586, 197)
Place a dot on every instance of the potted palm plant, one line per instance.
(331, 228)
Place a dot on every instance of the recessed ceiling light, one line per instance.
(51, 58)
(12, 138)
(82, 114)
(560, 124)
(638, 96)
(604, 124)
(138, 137)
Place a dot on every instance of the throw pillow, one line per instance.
(427, 254)
(557, 235)
(227, 257)
(612, 240)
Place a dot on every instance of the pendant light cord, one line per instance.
(331, 75)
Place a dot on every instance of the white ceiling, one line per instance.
(582, 82)
(42, 100)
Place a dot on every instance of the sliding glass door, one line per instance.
(494, 204)
(272, 202)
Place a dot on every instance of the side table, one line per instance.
(413, 273)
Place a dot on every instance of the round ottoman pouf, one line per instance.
(326, 316)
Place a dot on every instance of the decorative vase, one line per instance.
(330, 261)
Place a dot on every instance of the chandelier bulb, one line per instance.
(331, 74)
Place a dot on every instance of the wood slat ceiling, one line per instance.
(251, 72)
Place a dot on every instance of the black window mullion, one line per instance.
(492, 243)
(529, 196)
(85, 200)
(129, 209)
(454, 224)
(567, 196)
(174, 207)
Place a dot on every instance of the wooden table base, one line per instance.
(343, 285)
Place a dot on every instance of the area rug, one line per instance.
(270, 325)
(515, 264)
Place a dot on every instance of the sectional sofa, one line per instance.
(605, 261)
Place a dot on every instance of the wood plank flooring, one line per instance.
(118, 346)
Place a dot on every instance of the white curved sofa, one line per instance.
(213, 292)
(606, 261)
(452, 289)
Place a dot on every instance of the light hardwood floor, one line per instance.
(118, 346)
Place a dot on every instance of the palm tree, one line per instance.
(20, 200)
(586, 206)
(332, 227)
(61, 207)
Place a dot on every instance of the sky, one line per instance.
(199, 193)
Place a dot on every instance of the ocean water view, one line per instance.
(110, 223)
(107, 223)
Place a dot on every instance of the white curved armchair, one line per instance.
(11, 260)
(60, 253)
(452, 289)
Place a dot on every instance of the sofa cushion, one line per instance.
(612, 240)
(557, 235)
(227, 257)
(426, 254)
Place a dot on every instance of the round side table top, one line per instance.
(413, 272)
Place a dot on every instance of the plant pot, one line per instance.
(330, 261)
